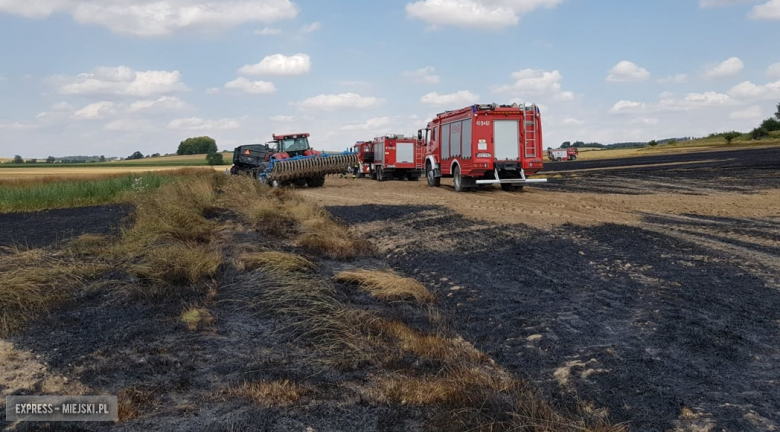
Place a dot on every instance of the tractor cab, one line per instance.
(292, 145)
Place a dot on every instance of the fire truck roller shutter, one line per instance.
(455, 138)
(466, 139)
(445, 141)
(506, 134)
(404, 153)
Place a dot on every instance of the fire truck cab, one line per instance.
(484, 145)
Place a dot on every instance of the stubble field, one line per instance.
(641, 291)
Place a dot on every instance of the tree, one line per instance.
(18, 159)
(566, 144)
(136, 155)
(102, 158)
(50, 160)
(759, 133)
(156, 155)
(652, 143)
(197, 145)
(32, 161)
(730, 136)
(777, 114)
(214, 158)
(771, 124)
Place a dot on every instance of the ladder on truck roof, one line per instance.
(529, 130)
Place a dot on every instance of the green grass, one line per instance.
(173, 161)
(76, 193)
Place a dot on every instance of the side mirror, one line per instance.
(419, 135)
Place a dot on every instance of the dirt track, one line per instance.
(653, 292)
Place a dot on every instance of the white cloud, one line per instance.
(199, 124)
(676, 79)
(309, 28)
(530, 82)
(457, 99)
(97, 110)
(129, 125)
(267, 31)
(625, 106)
(705, 4)
(327, 102)
(250, 87)
(573, 121)
(213, 90)
(773, 71)
(149, 18)
(752, 113)
(669, 103)
(281, 118)
(279, 64)
(748, 90)
(480, 14)
(18, 126)
(120, 82)
(2, 78)
(371, 124)
(423, 75)
(726, 69)
(650, 121)
(161, 105)
(767, 11)
(626, 71)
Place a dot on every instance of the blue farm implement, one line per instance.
(289, 160)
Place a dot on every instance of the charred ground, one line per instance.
(667, 318)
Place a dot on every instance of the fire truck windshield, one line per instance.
(294, 144)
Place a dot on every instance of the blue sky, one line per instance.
(114, 76)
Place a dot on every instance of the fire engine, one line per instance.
(569, 153)
(484, 144)
(393, 157)
(365, 154)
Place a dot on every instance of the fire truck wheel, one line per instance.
(430, 175)
(572, 157)
(457, 180)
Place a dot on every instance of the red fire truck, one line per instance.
(484, 145)
(396, 156)
(569, 153)
(365, 154)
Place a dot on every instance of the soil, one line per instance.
(653, 292)
(109, 340)
(43, 228)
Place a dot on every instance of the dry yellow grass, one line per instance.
(196, 318)
(268, 393)
(279, 262)
(387, 285)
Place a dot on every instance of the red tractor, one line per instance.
(288, 160)
(484, 145)
(396, 157)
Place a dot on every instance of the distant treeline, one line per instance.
(580, 144)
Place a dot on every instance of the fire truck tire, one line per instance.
(430, 175)
(572, 157)
(457, 180)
